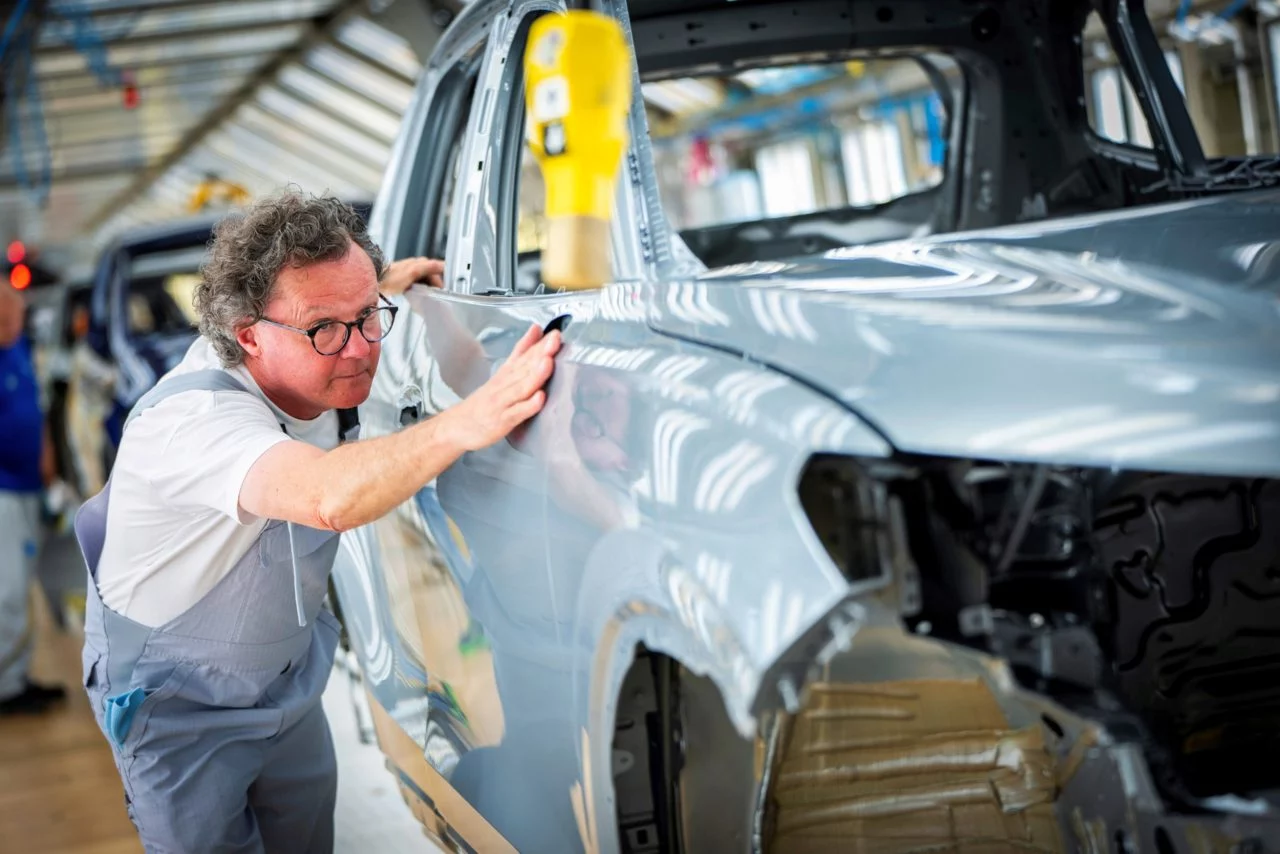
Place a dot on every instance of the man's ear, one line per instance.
(247, 337)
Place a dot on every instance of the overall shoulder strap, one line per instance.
(210, 380)
(348, 425)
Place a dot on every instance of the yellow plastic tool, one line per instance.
(577, 94)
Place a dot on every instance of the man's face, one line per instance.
(302, 381)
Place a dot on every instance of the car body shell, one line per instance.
(653, 502)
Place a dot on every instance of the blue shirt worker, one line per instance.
(21, 484)
(207, 646)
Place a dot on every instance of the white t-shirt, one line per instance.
(174, 523)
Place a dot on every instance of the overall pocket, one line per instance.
(126, 714)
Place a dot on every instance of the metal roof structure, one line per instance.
(112, 112)
(115, 111)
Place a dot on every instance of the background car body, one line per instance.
(138, 322)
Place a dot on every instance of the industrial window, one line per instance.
(1227, 92)
(1114, 110)
(874, 165)
(786, 178)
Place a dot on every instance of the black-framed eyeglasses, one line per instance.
(329, 336)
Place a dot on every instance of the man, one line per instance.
(24, 469)
(207, 648)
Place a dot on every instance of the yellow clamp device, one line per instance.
(577, 94)
(217, 189)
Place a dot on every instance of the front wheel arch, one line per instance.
(695, 787)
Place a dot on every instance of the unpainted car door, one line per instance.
(458, 624)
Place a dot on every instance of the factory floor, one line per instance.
(60, 793)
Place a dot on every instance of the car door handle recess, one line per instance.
(559, 322)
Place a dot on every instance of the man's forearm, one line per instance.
(353, 484)
(364, 481)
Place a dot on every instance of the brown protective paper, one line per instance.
(911, 766)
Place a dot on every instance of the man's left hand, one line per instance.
(403, 274)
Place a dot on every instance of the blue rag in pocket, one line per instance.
(119, 713)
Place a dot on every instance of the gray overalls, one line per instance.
(214, 718)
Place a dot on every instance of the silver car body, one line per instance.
(653, 503)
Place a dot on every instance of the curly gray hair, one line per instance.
(250, 249)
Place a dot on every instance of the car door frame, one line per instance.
(480, 250)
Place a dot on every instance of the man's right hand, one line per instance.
(513, 395)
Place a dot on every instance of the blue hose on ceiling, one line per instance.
(23, 48)
(91, 41)
(16, 49)
(1233, 10)
(10, 26)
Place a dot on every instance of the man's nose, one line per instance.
(358, 346)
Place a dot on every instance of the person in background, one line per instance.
(25, 468)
